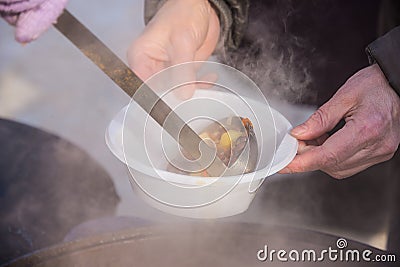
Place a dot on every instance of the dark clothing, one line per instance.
(303, 51)
(385, 51)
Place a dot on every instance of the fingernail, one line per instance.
(299, 130)
(285, 171)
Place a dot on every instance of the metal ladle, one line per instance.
(243, 151)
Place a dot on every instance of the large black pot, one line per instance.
(210, 244)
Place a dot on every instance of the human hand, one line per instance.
(181, 31)
(31, 17)
(371, 135)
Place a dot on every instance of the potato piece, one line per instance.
(228, 138)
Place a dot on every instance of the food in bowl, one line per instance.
(230, 135)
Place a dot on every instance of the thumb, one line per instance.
(184, 53)
(323, 119)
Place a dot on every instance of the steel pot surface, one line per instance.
(199, 244)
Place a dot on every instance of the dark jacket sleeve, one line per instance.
(232, 16)
(385, 51)
(150, 9)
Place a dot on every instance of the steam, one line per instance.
(273, 57)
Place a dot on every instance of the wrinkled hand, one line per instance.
(371, 134)
(181, 31)
(31, 17)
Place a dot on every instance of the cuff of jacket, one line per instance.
(233, 17)
(385, 51)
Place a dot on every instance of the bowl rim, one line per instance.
(183, 179)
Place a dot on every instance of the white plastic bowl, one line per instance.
(146, 176)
